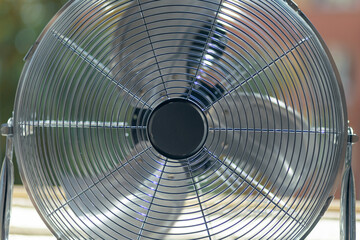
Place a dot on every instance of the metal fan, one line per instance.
(192, 119)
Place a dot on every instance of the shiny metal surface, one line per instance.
(91, 197)
(274, 137)
(348, 201)
(6, 187)
(258, 71)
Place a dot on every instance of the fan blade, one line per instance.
(129, 202)
(263, 140)
(161, 46)
(95, 63)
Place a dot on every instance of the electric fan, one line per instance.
(192, 119)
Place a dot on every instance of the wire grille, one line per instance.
(256, 69)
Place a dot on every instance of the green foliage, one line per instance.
(21, 21)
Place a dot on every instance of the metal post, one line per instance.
(6, 181)
(348, 212)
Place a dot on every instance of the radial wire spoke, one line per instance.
(151, 202)
(28, 126)
(259, 71)
(206, 46)
(99, 180)
(245, 177)
(274, 130)
(257, 186)
(93, 62)
(76, 124)
(152, 48)
(199, 201)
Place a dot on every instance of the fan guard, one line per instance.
(189, 119)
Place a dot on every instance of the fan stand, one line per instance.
(6, 180)
(348, 201)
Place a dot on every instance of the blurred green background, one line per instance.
(21, 21)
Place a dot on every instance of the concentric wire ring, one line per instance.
(259, 76)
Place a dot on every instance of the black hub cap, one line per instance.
(177, 128)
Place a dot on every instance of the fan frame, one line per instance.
(340, 162)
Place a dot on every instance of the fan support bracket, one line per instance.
(6, 180)
(7, 129)
(348, 200)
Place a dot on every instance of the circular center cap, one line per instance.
(177, 128)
